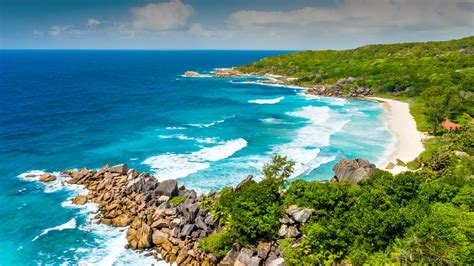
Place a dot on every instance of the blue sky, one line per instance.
(244, 24)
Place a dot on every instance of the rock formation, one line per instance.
(47, 177)
(128, 198)
(337, 90)
(356, 171)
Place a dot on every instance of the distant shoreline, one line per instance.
(409, 141)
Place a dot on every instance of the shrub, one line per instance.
(175, 201)
(218, 243)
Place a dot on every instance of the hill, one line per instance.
(437, 76)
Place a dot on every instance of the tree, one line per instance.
(440, 103)
(279, 168)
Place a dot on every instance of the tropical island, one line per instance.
(361, 215)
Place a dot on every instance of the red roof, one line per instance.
(448, 125)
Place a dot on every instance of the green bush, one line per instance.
(218, 244)
(175, 201)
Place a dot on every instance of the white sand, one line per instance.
(403, 126)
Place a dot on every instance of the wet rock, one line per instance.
(47, 177)
(283, 231)
(390, 166)
(140, 237)
(209, 220)
(121, 220)
(120, 169)
(201, 224)
(187, 230)
(401, 163)
(355, 171)
(276, 262)
(163, 198)
(255, 261)
(159, 224)
(159, 237)
(168, 188)
(231, 256)
(263, 250)
(79, 200)
(299, 214)
(247, 179)
(244, 257)
(293, 232)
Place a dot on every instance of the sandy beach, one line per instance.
(403, 126)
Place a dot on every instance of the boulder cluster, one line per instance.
(128, 198)
(336, 89)
(227, 73)
(355, 171)
(137, 200)
(270, 253)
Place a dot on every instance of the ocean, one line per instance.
(72, 109)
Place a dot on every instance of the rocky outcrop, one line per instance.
(218, 73)
(337, 89)
(355, 171)
(227, 73)
(47, 177)
(128, 198)
(79, 200)
(195, 74)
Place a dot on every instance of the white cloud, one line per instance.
(58, 30)
(354, 16)
(162, 16)
(92, 22)
(38, 33)
(198, 30)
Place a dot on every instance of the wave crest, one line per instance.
(173, 166)
(267, 101)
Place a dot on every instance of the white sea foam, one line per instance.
(208, 124)
(71, 224)
(175, 128)
(184, 137)
(275, 121)
(304, 150)
(267, 101)
(334, 101)
(109, 242)
(269, 84)
(173, 166)
(220, 152)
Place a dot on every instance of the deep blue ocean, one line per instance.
(69, 109)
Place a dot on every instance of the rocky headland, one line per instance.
(218, 73)
(167, 221)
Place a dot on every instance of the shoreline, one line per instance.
(402, 125)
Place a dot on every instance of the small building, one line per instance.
(450, 126)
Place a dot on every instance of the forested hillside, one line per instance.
(437, 76)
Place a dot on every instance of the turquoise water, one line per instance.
(70, 109)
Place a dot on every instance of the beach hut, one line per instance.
(450, 126)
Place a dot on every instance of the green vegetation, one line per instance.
(422, 217)
(438, 77)
(175, 201)
(218, 243)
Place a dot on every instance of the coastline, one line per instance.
(409, 141)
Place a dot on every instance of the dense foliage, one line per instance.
(437, 75)
(420, 217)
(414, 217)
(250, 212)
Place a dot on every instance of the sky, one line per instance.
(229, 24)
